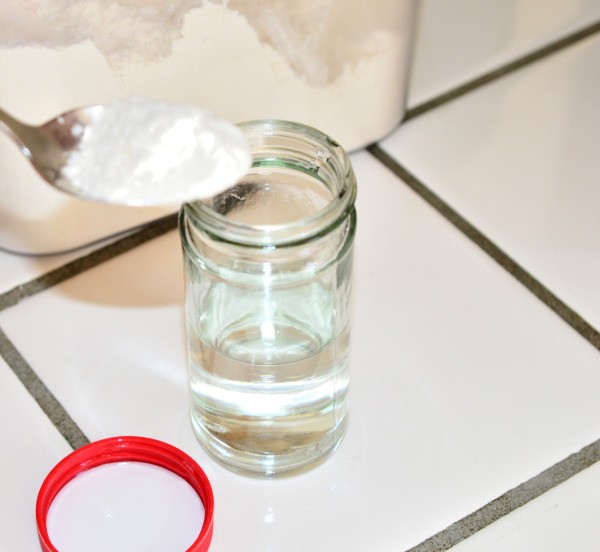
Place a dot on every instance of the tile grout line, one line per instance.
(511, 500)
(503, 70)
(572, 318)
(50, 405)
(160, 226)
(150, 231)
(559, 472)
(574, 464)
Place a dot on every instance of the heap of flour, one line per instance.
(138, 151)
(316, 37)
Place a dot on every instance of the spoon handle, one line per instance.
(15, 129)
(37, 144)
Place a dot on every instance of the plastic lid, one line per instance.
(126, 449)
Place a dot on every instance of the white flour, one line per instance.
(143, 152)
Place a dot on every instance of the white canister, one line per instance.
(338, 65)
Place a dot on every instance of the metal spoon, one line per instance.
(48, 146)
(172, 167)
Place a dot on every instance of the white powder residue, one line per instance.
(316, 37)
(123, 30)
(143, 152)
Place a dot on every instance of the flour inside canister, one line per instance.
(338, 65)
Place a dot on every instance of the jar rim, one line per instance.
(323, 152)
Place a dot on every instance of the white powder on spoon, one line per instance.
(143, 152)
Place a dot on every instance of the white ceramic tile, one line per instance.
(519, 159)
(564, 518)
(113, 337)
(447, 407)
(31, 446)
(459, 40)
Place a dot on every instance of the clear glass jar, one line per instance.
(268, 277)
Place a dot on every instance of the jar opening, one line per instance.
(300, 184)
(267, 197)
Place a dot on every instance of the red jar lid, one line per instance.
(126, 449)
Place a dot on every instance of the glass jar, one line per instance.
(268, 277)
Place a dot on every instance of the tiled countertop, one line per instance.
(476, 339)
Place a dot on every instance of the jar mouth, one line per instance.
(282, 152)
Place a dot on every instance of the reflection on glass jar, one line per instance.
(268, 270)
